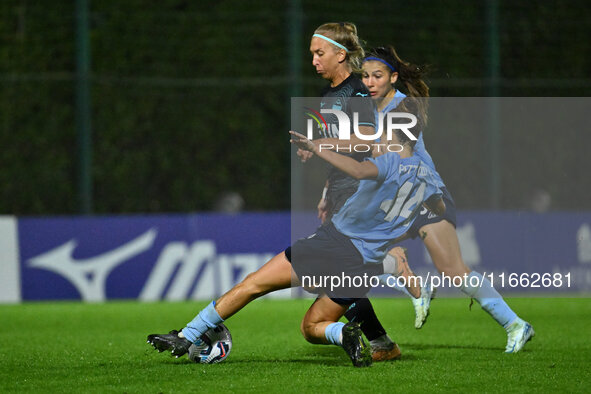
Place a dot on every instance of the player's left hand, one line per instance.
(304, 155)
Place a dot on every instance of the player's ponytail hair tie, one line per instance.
(377, 59)
(333, 42)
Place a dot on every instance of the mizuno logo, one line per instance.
(90, 275)
(182, 271)
(196, 271)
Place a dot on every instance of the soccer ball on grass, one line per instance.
(214, 347)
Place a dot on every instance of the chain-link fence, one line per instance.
(190, 100)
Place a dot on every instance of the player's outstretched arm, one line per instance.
(336, 143)
(363, 170)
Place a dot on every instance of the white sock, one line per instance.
(489, 299)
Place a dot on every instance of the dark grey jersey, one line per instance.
(351, 96)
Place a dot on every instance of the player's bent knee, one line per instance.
(303, 330)
(308, 332)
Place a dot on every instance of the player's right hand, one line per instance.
(301, 141)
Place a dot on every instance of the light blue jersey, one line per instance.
(383, 209)
(419, 148)
(394, 102)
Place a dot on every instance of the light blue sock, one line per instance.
(333, 333)
(206, 319)
(489, 299)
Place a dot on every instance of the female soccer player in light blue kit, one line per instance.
(381, 70)
(393, 189)
(354, 244)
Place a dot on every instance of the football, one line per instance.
(214, 348)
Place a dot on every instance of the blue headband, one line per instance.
(391, 67)
(333, 42)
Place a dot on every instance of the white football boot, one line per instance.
(422, 304)
(518, 333)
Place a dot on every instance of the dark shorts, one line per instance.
(344, 301)
(426, 217)
(330, 263)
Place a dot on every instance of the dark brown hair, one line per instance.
(411, 76)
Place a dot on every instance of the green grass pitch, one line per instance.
(97, 348)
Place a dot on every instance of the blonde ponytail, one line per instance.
(345, 34)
